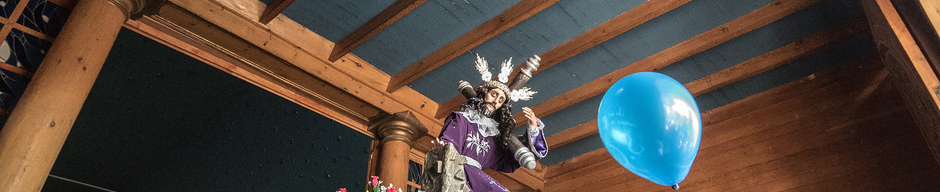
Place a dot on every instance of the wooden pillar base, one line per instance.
(397, 132)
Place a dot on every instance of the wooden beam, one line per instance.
(605, 31)
(743, 70)
(914, 77)
(19, 71)
(390, 15)
(572, 134)
(597, 35)
(289, 82)
(327, 101)
(918, 22)
(756, 19)
(530, 178)
(777, 57)
(502, 22)
(274, 8)
(824, 108)
(578, 162)
(835, 114)
(299, 47)
(932, 10)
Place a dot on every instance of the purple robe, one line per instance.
(465, 133)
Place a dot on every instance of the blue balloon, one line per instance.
(652, 126)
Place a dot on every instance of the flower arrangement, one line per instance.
(375, 186)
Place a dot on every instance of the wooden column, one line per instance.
(397, 133)
(33, 135)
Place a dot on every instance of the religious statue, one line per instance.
(479, 136)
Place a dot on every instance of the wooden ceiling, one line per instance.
(763, 45)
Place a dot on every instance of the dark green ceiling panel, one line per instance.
(158, 120)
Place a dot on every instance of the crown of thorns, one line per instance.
(514, 90)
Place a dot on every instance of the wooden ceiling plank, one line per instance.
(589, 177)
(603, 32)
(932, 10)
(778, 57)
(508, 182)
(389, 15)
(727, 160)
(819, 125)
(274, 8)
(502, 22)
(595, 36)
(711, 38)
(579, 162)
(743, 70)
(521, 177)
(772, 100)
(717, 115)
(798, 105)
(914, 77)
(572, 134)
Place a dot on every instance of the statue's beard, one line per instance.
(486, 109)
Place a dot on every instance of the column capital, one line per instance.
(402, 126)
(134, 9)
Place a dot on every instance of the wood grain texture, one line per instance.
(289, 82)
(837, 130)
(578, 162)
(595, 36)
(502, 22)
(777, 57)
(711, 38)
(932, 10)
(919, 24)
(36, 130)
(914, 76)
(572, 134)
(274, 8)
(743, 70)
(282, 38)
(366, 31)
(301, 48)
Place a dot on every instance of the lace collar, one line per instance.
(486, 125)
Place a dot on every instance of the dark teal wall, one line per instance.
(159, 120)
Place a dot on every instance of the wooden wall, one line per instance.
(844, 129)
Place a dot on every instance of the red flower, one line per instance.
(342, 189)
(375, 180)
(390, 189)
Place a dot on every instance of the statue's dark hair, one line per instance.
(502, 115)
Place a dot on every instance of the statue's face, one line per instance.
(494, 99)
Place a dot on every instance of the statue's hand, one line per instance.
(437, 143)
(533, 120)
